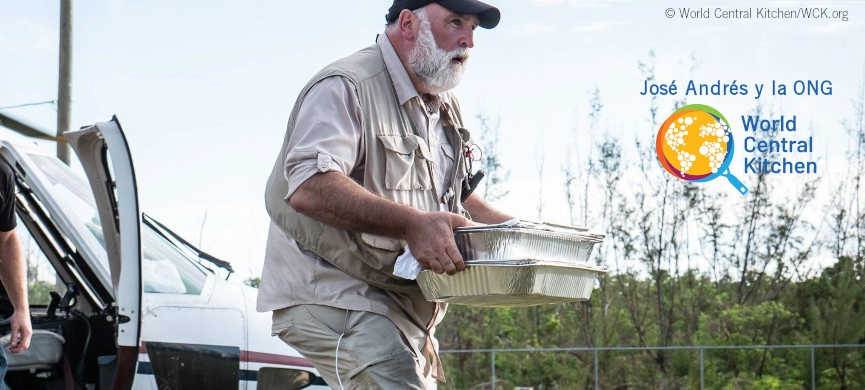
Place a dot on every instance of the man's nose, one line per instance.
(467, 39)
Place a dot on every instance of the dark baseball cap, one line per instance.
(488, 15)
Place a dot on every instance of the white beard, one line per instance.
(434, 66)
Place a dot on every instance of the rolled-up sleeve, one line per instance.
(327, 135)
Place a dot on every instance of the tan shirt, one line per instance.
(329, 124)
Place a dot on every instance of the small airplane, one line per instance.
(137, 306)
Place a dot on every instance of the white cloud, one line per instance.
(837, 27)
(600, 26)
(711, 30)
(584, 4)
(532, 28)
(34, 38)
(549, 2)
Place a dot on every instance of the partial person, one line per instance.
(13, 270)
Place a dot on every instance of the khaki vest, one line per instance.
(397, 167)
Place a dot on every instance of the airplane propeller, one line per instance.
(20, 126)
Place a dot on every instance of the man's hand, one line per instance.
(21, 331)
(431, 239)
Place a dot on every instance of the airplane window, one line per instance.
(165, 269)
(41, 277)
(73, 194)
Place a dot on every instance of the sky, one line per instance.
(203, 89)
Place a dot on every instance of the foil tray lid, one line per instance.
(600, 269)
(510, 242)
(545, 228)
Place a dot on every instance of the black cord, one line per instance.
(79, 368)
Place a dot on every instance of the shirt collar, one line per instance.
(401, 81)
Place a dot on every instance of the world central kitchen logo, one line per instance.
(696, 144)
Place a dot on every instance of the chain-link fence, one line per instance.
(807, 350)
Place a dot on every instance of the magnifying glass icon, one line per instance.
(696, 144)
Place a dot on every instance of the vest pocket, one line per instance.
(380, 252)
(406, 163)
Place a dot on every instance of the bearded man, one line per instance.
(373, 162)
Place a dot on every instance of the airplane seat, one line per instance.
(40, 367)
(46, 364)
(46, 346)
(46, 350)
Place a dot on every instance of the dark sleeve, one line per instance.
(7, 198)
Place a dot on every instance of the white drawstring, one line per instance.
(336, 361)
(336, 358)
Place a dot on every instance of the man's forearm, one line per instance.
(482, 212)
(13, 270)
(13, 273)
(336, 200)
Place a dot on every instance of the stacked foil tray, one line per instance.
(523, 264)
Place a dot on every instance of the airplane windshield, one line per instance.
(164, 267)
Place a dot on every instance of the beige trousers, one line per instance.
(351, 349)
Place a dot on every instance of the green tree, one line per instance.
(768, 323)
(833, 306)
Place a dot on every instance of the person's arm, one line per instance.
(13, 273)
(336, 200)
(324, 149)
(482, 212)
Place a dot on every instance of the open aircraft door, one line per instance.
(104, 154)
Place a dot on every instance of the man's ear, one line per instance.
(408, 25)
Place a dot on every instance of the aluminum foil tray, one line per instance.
(511, 285)
(521, 264)
(571, 245)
